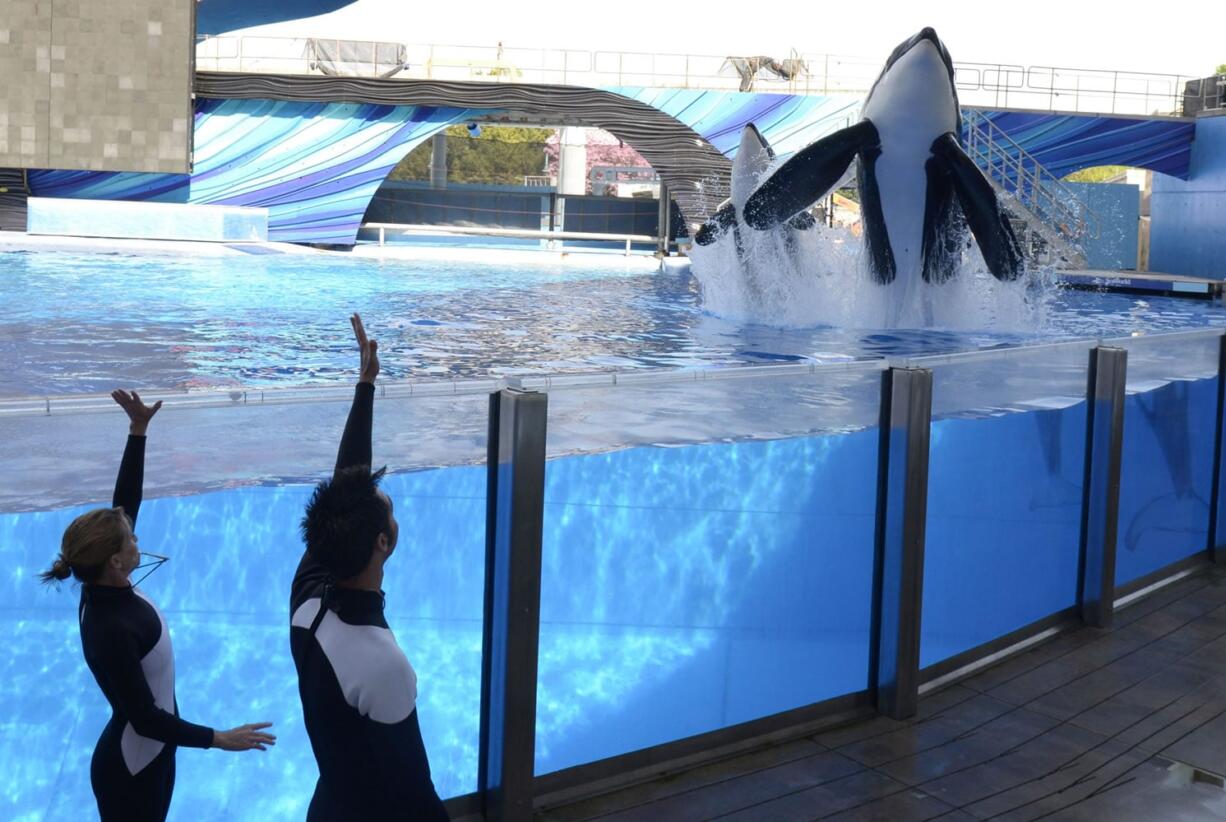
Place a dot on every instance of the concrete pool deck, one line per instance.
(21, 241)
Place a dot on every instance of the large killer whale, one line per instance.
(919, 191)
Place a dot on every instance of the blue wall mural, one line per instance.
(1187, 218)
(1064, 143)
(314, 166)
(788, 121)
(220, 16)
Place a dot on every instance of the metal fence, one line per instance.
(998, 85)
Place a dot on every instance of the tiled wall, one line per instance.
(96, 84)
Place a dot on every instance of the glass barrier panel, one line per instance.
(1166, 472)
(708, 554)
(225, 486)
(1005, 473)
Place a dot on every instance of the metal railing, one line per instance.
(1049, 88)
(516, 233)
(984, 84)
(1053, 209)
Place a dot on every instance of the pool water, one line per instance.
(708, 543)
(72, 323)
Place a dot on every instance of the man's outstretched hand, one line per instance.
(139, 414)
(370, 351)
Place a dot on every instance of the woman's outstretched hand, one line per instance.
(139, 414)
(369, 349)
(244, 738)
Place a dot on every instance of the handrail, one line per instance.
(1041, 193)
(276, 396)
(239, 396)
(985, 84)
(526, 233)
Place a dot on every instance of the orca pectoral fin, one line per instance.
(1001, 250)
(802, 221)
(807, 176)
(944, 228)
(872, 218)
(716, 225)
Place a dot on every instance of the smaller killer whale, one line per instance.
(753, 158)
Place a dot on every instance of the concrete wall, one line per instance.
(1188, 219)
(1118, 209)
(96, 84)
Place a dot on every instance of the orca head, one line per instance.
(916, 44)
(753, 158)
(917, 68)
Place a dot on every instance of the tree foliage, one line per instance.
(501, 155)
(1098, 174)
(602, 149)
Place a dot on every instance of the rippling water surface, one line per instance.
(74, 323)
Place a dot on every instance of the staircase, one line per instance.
(1050, 219)
(13, 194)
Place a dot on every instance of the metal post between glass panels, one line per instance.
(1101, 493)
(515, 487)
(1217, 511)
(902, 507)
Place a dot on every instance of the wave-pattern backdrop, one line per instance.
(788, 121)
(1063, 143)
(221, 16)
(314, 166)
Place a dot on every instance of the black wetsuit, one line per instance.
(127, 647)
(359, 692)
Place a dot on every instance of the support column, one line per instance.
(1100, 506)
(438, 161)
(572, 161)
(515, 488)
(665, 218)
(902, 509)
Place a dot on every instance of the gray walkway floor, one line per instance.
(1120, 724)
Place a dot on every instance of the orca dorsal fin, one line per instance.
(993, 234)
(807, 176)
(753, 158)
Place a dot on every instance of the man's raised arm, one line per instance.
(354, 450)
(355, 442)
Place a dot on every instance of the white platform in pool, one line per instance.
(146, 221)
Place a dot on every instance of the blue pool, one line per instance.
(74, 323)
(708, 535)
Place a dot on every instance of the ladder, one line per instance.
(1054, 221)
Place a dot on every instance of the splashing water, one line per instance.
(820, 277)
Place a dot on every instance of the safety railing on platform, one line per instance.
(406, 229)
(997, 85)
(1049, 206)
